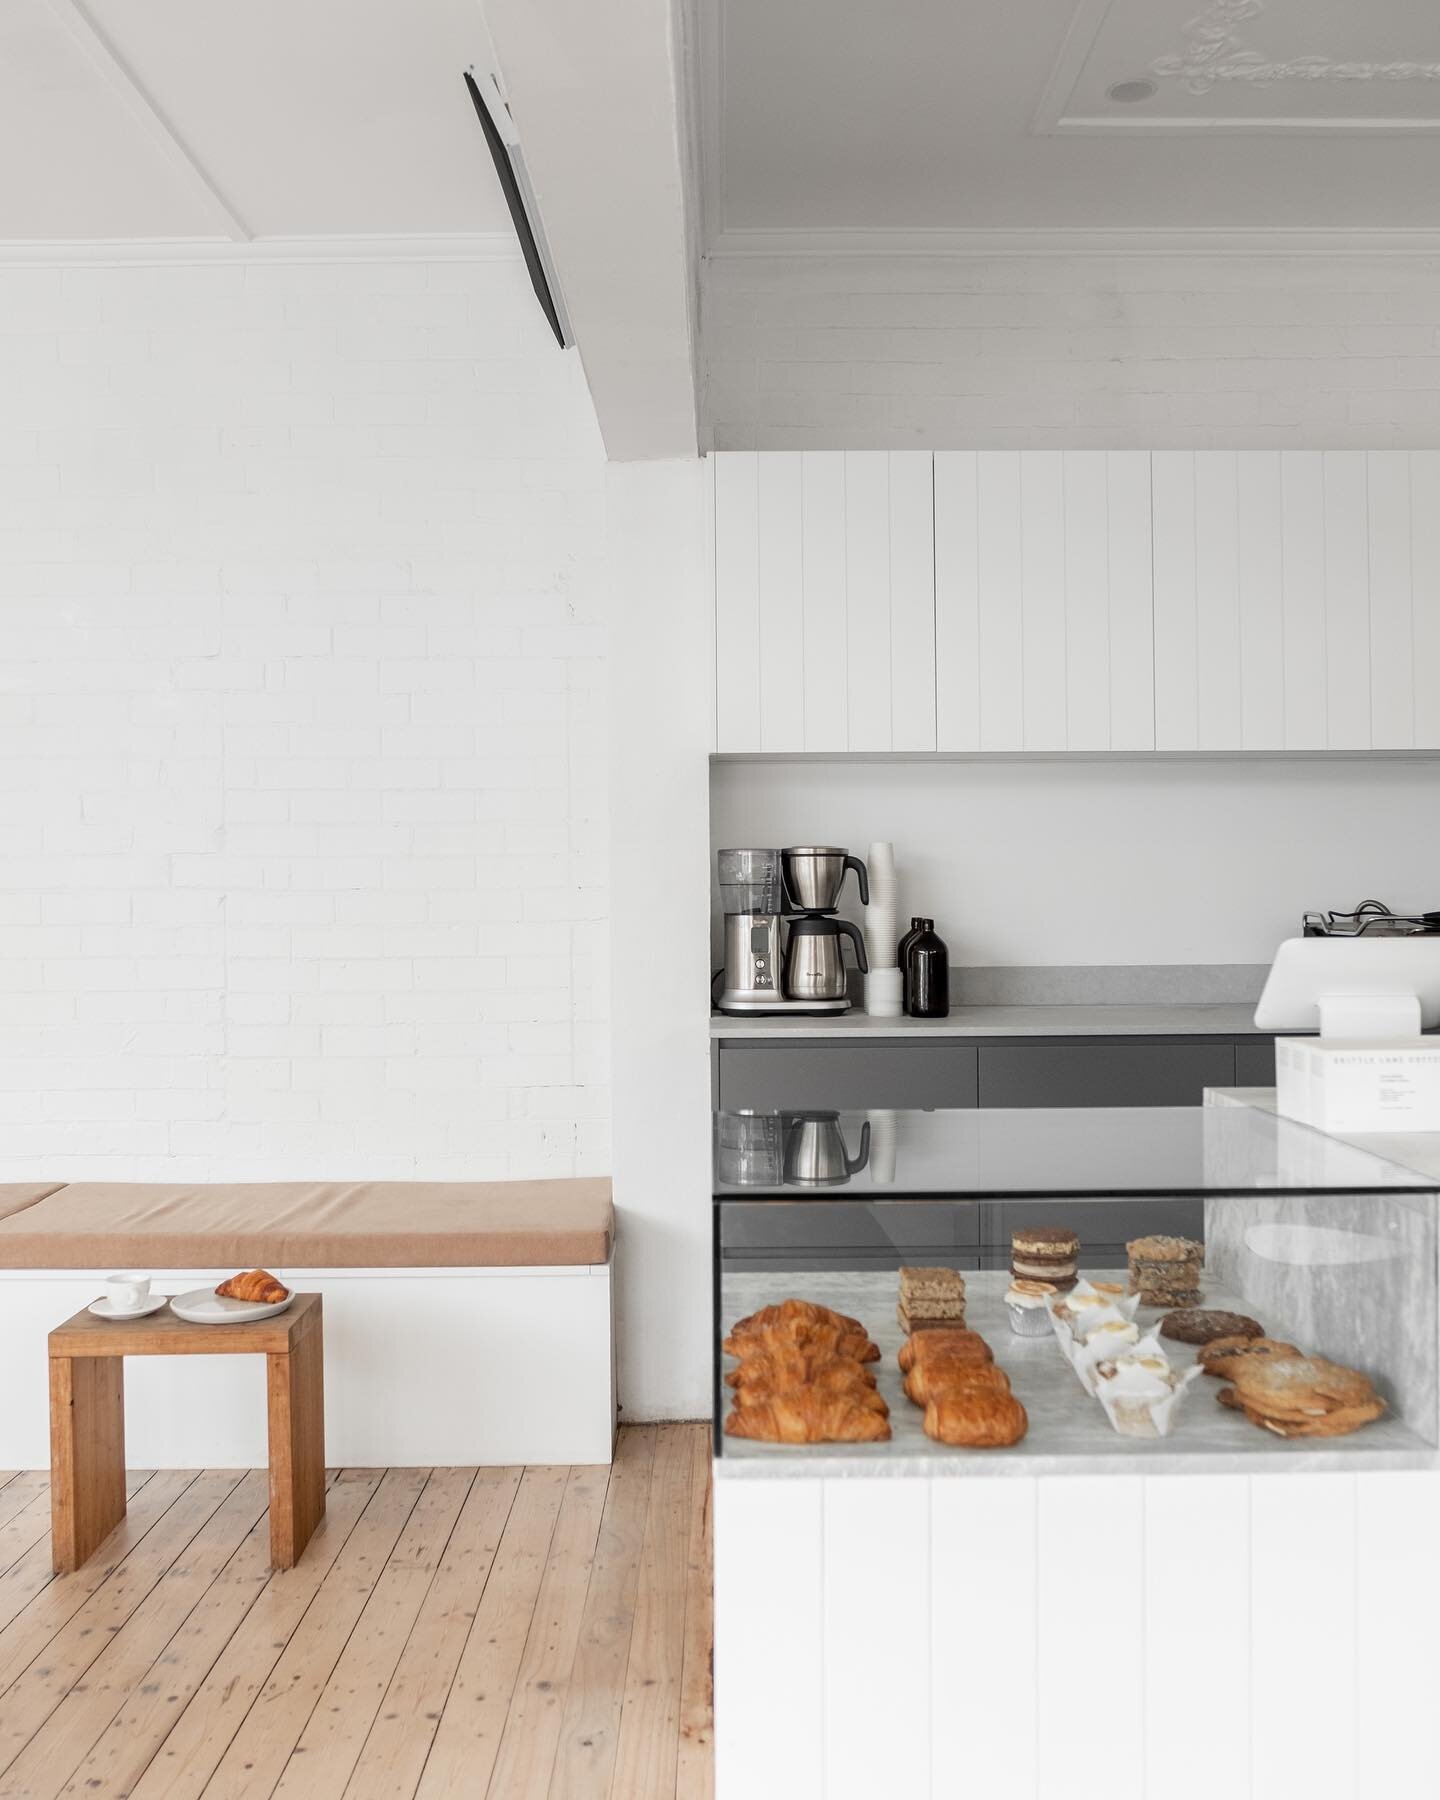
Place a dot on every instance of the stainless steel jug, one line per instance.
(815, 1152)
(814, 960)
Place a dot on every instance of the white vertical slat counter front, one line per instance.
(1101, 601)
(1261, 1636)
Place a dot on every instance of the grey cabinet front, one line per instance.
(823, 1074)
(1255, 1062)
(1131, 1074)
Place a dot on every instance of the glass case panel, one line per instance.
(1325, 1247)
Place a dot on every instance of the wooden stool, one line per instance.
(87, 1419)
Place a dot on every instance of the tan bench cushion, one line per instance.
(15, 1196)
(312, 1224)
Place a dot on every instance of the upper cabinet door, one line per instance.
(1043, 604)
(824, 601)
(1078, 600)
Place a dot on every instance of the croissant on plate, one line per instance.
(253, 1284)
(808, 1418)
(937, 1380)
(796, 1369)
(942, 1341)
(977, 1420)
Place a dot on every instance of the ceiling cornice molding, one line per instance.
(1140, 241)
(474, 246)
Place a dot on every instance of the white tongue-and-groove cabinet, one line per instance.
(1086, 600)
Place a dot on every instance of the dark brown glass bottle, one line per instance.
(927, 975)
(902, 954)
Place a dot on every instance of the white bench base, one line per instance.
(455, 1367)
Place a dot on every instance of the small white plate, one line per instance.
(104, 1308)
(203, 1306)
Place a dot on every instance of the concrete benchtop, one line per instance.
(1000, 1021)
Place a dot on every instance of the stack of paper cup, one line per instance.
(884, 997)
(881, 936)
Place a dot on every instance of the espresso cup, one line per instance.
(126, 1292)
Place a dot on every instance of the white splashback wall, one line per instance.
(1109, 862)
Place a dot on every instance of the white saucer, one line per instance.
(203, 1306)
(103, 1308)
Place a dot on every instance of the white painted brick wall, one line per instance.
(303, 832)
(1234, 351)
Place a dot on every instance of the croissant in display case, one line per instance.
(808, 1418)
(780, 1370)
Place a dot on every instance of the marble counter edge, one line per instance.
(980, 1465)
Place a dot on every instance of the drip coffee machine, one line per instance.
(783, 942)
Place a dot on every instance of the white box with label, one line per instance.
(1349, 1085)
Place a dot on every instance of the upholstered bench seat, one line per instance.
(307, 1224)
(465, 1322)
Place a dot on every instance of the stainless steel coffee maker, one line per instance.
(783, 944)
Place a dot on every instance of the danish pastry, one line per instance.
(979, 1420)
(942, 1341)
(932, 1380)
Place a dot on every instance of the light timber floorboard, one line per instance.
(448, 1634)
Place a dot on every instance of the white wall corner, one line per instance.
(661, 683)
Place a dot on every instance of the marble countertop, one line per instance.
(1002, 1021)
(1418, 1150)
(1069, 1432)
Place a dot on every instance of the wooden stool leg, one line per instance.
(87, 1455)
(296, 1386)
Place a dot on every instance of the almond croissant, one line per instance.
(808, 1418)
(254, 1284)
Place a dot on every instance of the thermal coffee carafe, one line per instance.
(814, 962)
(777, 965)
(815, 1152)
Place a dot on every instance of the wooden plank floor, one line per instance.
(521, 1634)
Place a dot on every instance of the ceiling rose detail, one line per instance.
(1213, 52)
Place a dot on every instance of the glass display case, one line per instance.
(1312, 1242)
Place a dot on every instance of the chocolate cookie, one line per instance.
(1192, 1327)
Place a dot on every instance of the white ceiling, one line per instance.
(841, 114)
(301, 117)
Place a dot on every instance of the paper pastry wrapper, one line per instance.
(1086, 1358)
(1133, 1416)
(1117, 1307)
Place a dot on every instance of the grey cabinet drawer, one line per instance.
(847, 1076)
(1142, 1074)
(1103, 1226)
(1255, 1062)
